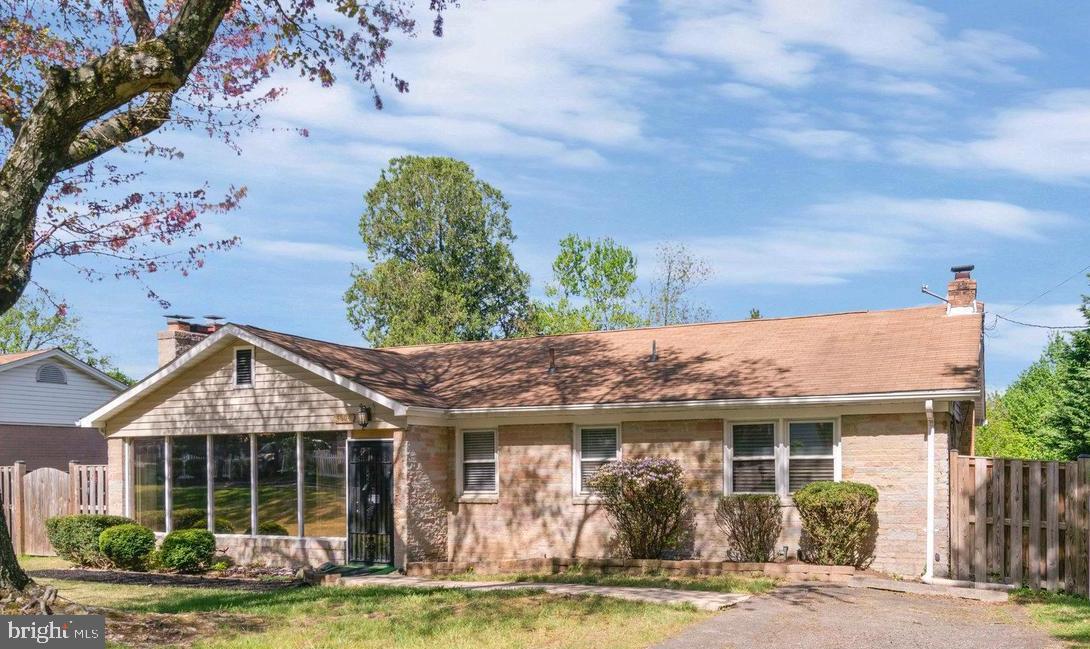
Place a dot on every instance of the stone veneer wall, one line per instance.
(115, 476)
(423, 487)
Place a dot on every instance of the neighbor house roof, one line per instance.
(11, 361)
(859, 353)
(18, 356)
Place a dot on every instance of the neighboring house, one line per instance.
(43, 393)
(482, 450)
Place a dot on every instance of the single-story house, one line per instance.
(43, 393)
(298, 450)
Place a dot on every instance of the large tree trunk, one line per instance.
(12, 576)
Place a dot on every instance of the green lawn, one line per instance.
(314, 618)
(1066, 617)
(719, 584)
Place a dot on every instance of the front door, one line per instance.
(370, 502)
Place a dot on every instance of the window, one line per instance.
(324, 484)
(231, 482)
(244, 366)
(189, 482)
(52, 373)
(479, 461)
(812, 453)
(149, 483)
(753, 463)
(597, 446)
(277, 497)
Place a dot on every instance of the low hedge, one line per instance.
(187, 550)
(127, 546)
(75, 537)
(839, 523)
(752, 524)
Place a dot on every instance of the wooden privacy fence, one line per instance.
(1020, 522)
(28, 500)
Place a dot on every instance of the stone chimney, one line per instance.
(961, 291)
(180, 336)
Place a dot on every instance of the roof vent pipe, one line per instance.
(552, 360)
(654, 352)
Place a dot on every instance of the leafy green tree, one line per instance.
(1019, 419)
(591, 290)
(1072, 414)
(439, 241)
(36, 323)
(679, 272)
(755, 314)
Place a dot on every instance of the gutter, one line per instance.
(929, 572)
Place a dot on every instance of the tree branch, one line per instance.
(120, 128)
(138, 17)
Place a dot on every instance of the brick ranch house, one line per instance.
(297, 450)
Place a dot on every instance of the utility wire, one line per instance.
(1039, 326)
(1073, 276)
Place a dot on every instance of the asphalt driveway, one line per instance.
(839, 617)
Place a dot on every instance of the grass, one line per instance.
(1066, 617)
(718, 583)
(376, 617)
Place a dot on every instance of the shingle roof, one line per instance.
(866, 352)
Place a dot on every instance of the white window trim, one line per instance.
(459, 469)
(728, 453)
(234, 367)
(782, 436)
(577, 456)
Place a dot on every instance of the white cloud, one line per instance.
(821, 143)
(1048, 139)
(305, 250)
(1024, 344)
(785, 43)
(742, 92)
(831, 242)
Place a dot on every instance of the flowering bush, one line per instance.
(839, 521)
(752, 523)
(646, 503)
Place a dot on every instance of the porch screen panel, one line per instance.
(479, 461)
(324, 484)
(277, 496)
(189, 494)
(811, 458)
(754, 463)
(597, 446)
(231, 482)
(149, 483)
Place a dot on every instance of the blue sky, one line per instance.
(822, 156)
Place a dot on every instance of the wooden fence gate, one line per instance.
(28, 500)
(1020, 522)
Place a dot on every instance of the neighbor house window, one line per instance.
(244, 366)
(597, 446)
(231, 482)
(189, 486)
(753, 464)
(479, 461)
(149, 483)
(324, 484)
(812, 455)
(277, 495)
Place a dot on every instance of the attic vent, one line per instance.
(244, 366)
(52, 373)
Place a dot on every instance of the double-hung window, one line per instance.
(598, 445)
(780, 457)
(753, 463)
(479, 461)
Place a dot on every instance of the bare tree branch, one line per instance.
(120, 128)
(138, 17)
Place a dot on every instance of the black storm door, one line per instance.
(370, 502)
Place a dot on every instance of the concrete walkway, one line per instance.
(842, 617)
(708, 601)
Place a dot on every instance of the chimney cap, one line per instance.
(175, 316)
(212, 317)
(962, 269)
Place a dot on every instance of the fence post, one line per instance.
(19, 470)
(955, 516)
(73, 488)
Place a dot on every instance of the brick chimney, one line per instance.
(961, 291)
(180, 336)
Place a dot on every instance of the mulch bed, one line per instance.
(163, 579)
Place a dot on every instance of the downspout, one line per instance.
(929, 572)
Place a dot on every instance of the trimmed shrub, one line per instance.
(272, 528)
(752, 523)
(839, 523)
(187, 550)
(75, 537)
(646, 503)
(127, 546)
